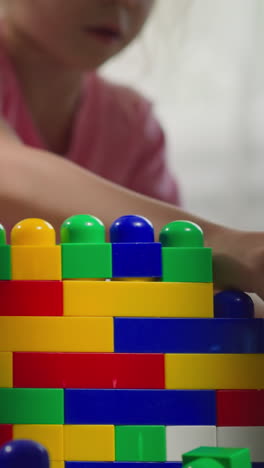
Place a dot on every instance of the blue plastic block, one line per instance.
(137, 260)
(191, 335)
(23, 454)
(146, 407)
(233, 304)
(258, 465)
(122, 465)
(131, 228)
(135, 252)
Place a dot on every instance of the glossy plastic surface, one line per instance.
(130, 229)
(140, 407)
(182, 234)
(23, 454)
(233, 304)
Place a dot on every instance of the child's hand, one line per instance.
(239, 261)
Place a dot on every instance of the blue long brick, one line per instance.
(128, 407)
(174, 335)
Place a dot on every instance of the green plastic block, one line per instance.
(215, 457)
(85, 254)
(31, 406)
(5, 256)
(140, 443)
(184, 257)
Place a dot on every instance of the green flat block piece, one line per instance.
(215, 457)
(187, 265)
(5, 262)
(31, 406)
(140, 443)
(85, 254)
(81, 261)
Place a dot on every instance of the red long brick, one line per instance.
(240, 407)
(91, 370)
(30, 298)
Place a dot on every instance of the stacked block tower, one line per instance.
(110, 352)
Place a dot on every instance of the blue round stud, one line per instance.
(233, 304)
(23, 454)
(131, 229)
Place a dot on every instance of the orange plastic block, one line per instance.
(6, 370)
(34, 254)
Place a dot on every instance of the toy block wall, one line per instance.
(117, 352)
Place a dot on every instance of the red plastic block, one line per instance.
(240, 407)
(6, 433)
(29, 298)
(92, 370)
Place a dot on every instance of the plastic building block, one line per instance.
(66, 334)
(233, 304)
(214, 371)
(102, 370)
(31, 298)
(184, 257)
(57, 464)
(215, 457)
(6, 370)
(240, 407)
(6, 433)
(135, 252)
(50, 436)
(137, 299)
(140, 443)
(250, 437)
(23, 454)
(34, 255)
(176, 335)
(122, 465)
(85, 254)
(5, 256)
(140, 407)
(93, 443)
(31, 406)
(181, 439)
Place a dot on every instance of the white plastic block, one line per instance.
(247, 437)
(181, 439)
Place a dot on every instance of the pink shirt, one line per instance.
(114, 135)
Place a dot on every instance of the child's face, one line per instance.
(79, 33)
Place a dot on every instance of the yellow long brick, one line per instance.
(65, 334)
(214, 371)
(89, 443)
(137, 299)
(57, 464)
(50, 436)
(6, 370)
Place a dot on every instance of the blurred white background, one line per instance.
(201, 62)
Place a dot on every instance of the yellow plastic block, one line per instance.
(6, 370)
(50, 436)
(214, 371)
(137, 299)
(57, 464)
(36, 263)
(65, 334)
(34, 255)
(89, 443)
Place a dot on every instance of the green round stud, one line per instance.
(204, 463)
(182, 234)
(2, 235)
(82, 229)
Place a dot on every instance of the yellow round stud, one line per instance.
(33, 231)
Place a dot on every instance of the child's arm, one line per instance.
(36, 183)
